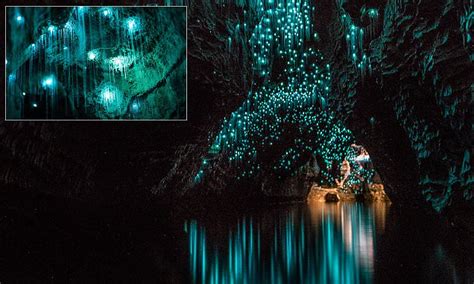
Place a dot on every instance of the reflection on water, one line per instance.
(318, 243)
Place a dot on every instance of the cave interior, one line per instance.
(275, 87)
(96, 63)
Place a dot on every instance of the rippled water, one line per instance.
(318, 243)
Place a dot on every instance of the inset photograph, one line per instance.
(95, 63)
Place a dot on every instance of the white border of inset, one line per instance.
(102, 120)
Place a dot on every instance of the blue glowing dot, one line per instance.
(118, 61)
(35, 104)
(373, 13)
(20, 19)
(92, 55)
(132, 24)
(135, 106)
(48, 82)
(69, 26)
(107, 12)
(108, 95)
(24, 94)
(11, 77)
(52, 29)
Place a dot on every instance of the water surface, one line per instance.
(48, 242)
(317, 243)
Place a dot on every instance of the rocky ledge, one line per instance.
(323, 194)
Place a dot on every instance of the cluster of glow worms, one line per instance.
(355, 37)
(70, 42)
(296, 103)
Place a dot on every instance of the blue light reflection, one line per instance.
(324, 243)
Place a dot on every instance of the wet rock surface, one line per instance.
(324, 194)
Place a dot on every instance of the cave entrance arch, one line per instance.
(353, 178)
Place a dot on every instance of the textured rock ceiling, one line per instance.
(412, 111)
(103, 62)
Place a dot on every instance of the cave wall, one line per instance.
(412, 107)
(412, 112)
(130, 162)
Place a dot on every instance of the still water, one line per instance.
(301, 243)
(317, 243)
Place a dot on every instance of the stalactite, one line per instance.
(466, 21)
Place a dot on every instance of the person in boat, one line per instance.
(345, 171)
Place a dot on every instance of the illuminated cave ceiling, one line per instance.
(394, 71)
(410, 106)
(96, 63)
